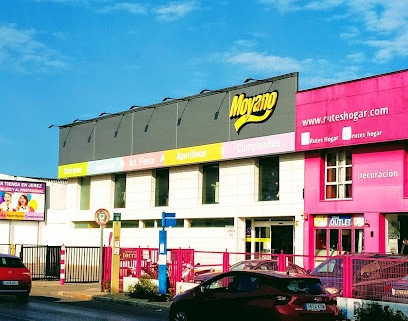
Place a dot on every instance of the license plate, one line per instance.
(315, 306)
(10, 282)
(401, 292)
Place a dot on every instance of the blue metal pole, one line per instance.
(162, 261)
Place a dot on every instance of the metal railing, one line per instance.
(362, 276)
(81, 262)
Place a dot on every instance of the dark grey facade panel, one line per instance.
(154, 129)
(203, 121)
(113, 136)
(190, 121)
(76, 143)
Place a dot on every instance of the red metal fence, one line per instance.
(365, 276)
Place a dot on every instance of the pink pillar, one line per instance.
(374, 232)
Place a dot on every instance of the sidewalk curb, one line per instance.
(80, 296)
(133, 302)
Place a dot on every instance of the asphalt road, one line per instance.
(43, 308)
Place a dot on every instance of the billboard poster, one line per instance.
(22, 201)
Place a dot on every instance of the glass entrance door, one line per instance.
(340, 241)
(263, 239)
(336, 241)
(282, 239)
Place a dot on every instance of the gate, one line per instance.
(81, 262)
(43, 261)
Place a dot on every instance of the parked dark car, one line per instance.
(370, 273)
(256, 264)
(15, 278)
(255, 295)
(397, 290)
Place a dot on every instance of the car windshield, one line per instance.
(329, 266)
(245, 265)
(11, 262)
(303, 286)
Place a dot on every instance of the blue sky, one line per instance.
(62, 60)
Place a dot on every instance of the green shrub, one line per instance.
(145, 288)
(374, 311)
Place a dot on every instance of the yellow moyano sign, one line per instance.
(252, 109)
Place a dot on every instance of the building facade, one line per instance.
(223, 161)
(258, 167)
(354, 137)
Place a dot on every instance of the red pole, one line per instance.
(281, 262)
(225, 261)
(62, 265)
(347, 277)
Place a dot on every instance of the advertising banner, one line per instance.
(23, 201)
(251, 147)
(364, 111)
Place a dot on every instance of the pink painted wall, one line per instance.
(364, 111)
(378, 182)
(378, 176)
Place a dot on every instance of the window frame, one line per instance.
(338, 175)
(85, 193)
(161, 198)
(268, 184)
(210, 186)
(119, 188)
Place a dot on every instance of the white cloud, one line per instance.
(320, 72)
(175, 10)
(350, 33)
(322, 5)
(282, 6)
(285, 6)
(261, 62)
(387, 49)
(128, 7)
(382, 22)
(21, 52)
(380, 16)
(357, 57)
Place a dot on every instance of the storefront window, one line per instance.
(321, 242)
(120, 191)
(334, 241)
(85, 198)
(338, 234)
(269, 178)
(338, 175)
(162, 187)
(210, 183)
(358, 240)
(346, 240)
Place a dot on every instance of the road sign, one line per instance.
(102, 216)
(168, 219)
(116, 217)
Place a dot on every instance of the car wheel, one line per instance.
(180, 316)
(22, 297)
